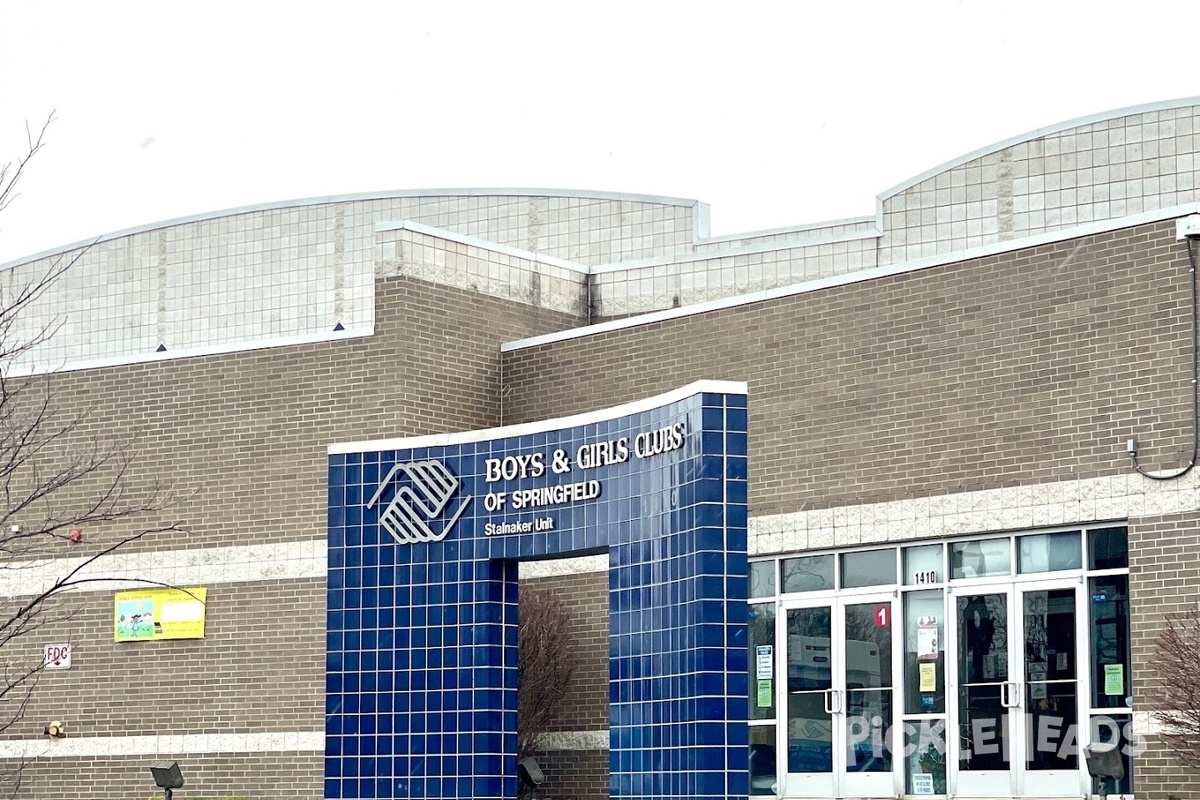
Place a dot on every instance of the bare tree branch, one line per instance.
(1175, 695)
(546, 662)
(10, 173)
(56, 476)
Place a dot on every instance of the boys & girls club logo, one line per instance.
(421, 493)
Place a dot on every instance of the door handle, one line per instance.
(833, 704)
(1008, 691)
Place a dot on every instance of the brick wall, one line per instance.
(585, 708)
(241, 440)
(259, 667)
(246, 776)
(581, 774)
(1164, 579)
(1014, 369)
(574, 775)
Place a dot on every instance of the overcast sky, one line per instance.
(774, 114)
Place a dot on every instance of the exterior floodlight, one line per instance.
(530, 776)
(1104, 764)
(167, 777)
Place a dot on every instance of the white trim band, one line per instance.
(576, 740)
(202, 566)
(1112, 498)
(187, 744)
(525, 429)
(557, 567)
(356, 197)
(482, 244)
(887, 270)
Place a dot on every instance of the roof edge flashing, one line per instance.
(898, 268)
(1037, 133)
(320, 200)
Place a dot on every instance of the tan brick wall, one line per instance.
(1018, 368)
(251, 776)
(260, 667)
(574, 775)
(241, 439)
(1158, 776)
(580, 774)
(585, 707)
(1164, 579)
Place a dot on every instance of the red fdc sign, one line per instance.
(58, 656)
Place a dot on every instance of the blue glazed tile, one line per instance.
(455, 602)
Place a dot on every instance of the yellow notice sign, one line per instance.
(149, 614)
(928, 672)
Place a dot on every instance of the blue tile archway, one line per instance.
(424, 540)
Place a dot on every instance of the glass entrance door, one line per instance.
(985, 692)
(1017, 690)
(866, 678)
(840, 700)
(811, 701)
(1051, 650)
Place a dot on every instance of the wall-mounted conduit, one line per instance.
(1132, 445)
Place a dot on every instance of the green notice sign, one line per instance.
(1114, 679)
(766, 693)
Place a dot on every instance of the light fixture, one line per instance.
(1104, 764)
(55, 730)
(167, 777)
(530, 775)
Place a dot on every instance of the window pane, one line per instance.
(1046, 552)
(868, 646)
(762, 578)
(809, 727)
(1050, 727)
(1108, 548)
(868, 751)
(925, 742)
(1051, 688)
(762, 661)
(980, 559)
(923, 564)
(1117, 731)
(1050, 626)
(1110, 641)
(808, 574)
(983, 639)
(810, 654)
(871, 568)
(762, 760)
(924, 653)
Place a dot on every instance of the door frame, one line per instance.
(1056, 783)
(840, 781)
(1022, 781)
(981, 783)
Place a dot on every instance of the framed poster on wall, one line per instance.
(149, 614)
